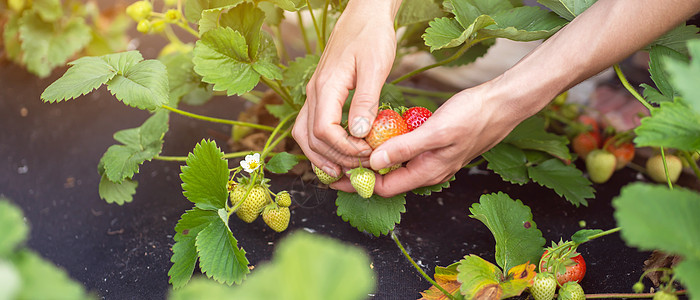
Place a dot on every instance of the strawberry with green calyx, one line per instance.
(324, 177)
(283, 199)
(415, 116)
(600, 165)
(564, 262)
(543, 286)
(276, 217)
(571, 291)
(362, 179)
(655, 168)
(623, 151)
(387, 124)
(252, 205)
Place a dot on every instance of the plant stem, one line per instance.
(692, 163)
(629, 87)
(283, 48)
(320, 43)
(280, 91)
(272, 135)
(663, 159)
(415, 265)
(274, 144)
(303, 33)
(422, 92)
(440, 63)
(474, 164)
(604, 233)
(324, 24)
(187, 28)
(218, 120)
(227, 155)
(630, 295)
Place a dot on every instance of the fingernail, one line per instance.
(359, 126)
(379, 160)
(365, 153)
(330, 171)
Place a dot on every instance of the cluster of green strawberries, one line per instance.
(389, 123)
(250, 199)
(560, 266)
(149, 21)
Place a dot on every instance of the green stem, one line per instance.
(272, 135)
(320, 44)
(629, 87)
(274, 144)
(422, 92)
(218, 120)
(630, 295)
(415, 265)
(324, 23)
(440, 63)
(187, 28)
(283, 48)
(663, 159)
(692, 163)
(227, 155)
(303, 33)
(474, 164)
(280, 91)
(604, 233)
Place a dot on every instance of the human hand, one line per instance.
(359, 55)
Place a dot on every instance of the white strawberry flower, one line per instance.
(251, 162)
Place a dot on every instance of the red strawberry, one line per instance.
(585, 142)
(590, 121)
(388, 124)
(571, 268)
(416, 116)
(623, 151)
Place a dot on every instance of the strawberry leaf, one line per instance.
(10, 35)
(652, 95)
(280, 111)
(655, 217)
(376, 215)
(219, 255)
(281, 163)
(298, 74)
(85, 75)
(445, 277)
(467, 12)
(531, 134)
(42, 280)
(677, 38)
(567, 9)
(289, 5)
(48, 10)
(15, 230)
(584, 235)
(417, 11)
(657, 55)
(138, 145)
(194, 8)
(143, 85)
(47, 45)
(508, 161)
(436, 188)
(119, 193)
(565, 180)
(221, 57)
(247, 20)
(447, 32)
(671, 125)
(679, 71)
(474, 52)
(205, 177)
(392, 95)
(184, 83)
(184, 250)
(526, 23)
(518, 240)
(478, 277)
(273, 14)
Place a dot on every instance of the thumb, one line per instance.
(400, 149)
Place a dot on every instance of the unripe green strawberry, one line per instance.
(252, 205)
(139, 10)
(276, 217)
(237, 194)
(283, 199)
(663, 295)
(544, 286)
(638, 287)
(324, 177)
(144, 26)
(362, 179)
(600, 165)
(571, 291)
(389, 169)
(655, 168)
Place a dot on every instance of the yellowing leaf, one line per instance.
(480, 279)
(445, 277)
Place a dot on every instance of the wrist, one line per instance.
(375, 8)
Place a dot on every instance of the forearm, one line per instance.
(603, 35)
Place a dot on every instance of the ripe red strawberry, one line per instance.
(586, 142)
(655, 168)
(362, 179)
(571, 291)
(543, 286)
(570, 268)
(623, 151)
(416, 116)
(276, 217)
(600, 165)
(589, 121)
(388, 124)
(253, 204)
(324, 177)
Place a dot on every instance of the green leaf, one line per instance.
(677, 38)
(436, 188)
(10, 34)
(304, 266)
(584, 235)
(183, 81)
(298, 74)
(194, 8)
(671, 125)
(11, 281)
(518, 240)
(42, 280)
(281, 163)
(392, 95)
(526, 23)
(48, 10)
(655, 217)
(417, 11)
(280, 111)
(476, 51)
(47, 45)
(468, 11)
(119, 193)
(657, 55)
(376, 215)
(139, 145)
(221, 57)
(143, 85)
(477, 276)
(184, 250)
(15, 230)
(652, 95)
(219, 255)
(267, 69)
(565, 180)
(205, 177)
(567, 9)
(679, 72)
(447, 32)
(508, 161)
(289, 5)
(273, 14)
(531, 134)
(247, 20)
(85, 75)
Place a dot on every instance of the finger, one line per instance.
(363, 108)
(405, 147)
(343, 185)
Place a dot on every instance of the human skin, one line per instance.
(476, 119)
